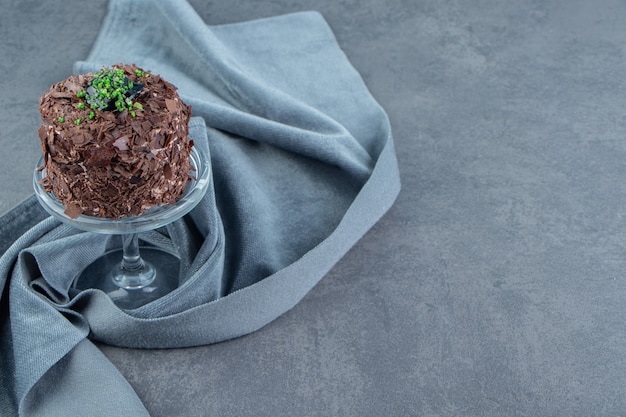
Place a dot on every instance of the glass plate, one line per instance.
(154, 218)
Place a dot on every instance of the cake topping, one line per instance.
(111, 89)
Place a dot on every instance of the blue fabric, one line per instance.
(303, 165)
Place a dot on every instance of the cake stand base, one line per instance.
(129, 289)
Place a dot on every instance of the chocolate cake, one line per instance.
(115, 142)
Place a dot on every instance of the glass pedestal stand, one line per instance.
(132, 276)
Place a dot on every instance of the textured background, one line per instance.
(496, 284)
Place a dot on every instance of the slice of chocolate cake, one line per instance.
(115, 143)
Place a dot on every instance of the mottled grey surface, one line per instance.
(496, 284)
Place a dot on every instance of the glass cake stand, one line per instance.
(132, 276)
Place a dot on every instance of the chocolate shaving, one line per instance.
(73, 210)
(171, 105)
(121, 143)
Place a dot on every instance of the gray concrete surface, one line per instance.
(496, 284)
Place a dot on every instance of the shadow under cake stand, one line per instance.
(132, 276)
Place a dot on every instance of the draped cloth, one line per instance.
(302, 162)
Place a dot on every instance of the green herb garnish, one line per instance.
(111, 89)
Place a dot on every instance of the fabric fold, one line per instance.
(243, 101)
(302, 162)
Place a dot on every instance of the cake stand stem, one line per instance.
(133, 272)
